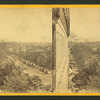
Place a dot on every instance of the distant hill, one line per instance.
(75, 38)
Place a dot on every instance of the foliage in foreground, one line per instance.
(88, 77)
(13, 79)
(87, 61)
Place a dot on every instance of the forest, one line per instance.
(25, 67)
(85, 58)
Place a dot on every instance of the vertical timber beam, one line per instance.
(53, 55)
(60, 29)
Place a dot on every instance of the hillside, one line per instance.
(38, 53)
(25, 67)
(85, 57)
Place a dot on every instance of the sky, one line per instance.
(85, 23)
(26, 24)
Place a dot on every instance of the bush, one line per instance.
(88, 77)
(13, 79)
(16, 83)
(47, 88)
(93, 83)
(35, 82)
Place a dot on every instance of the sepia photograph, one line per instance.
(84, 50)
(25, 50)
(77, 57)
(49, 50)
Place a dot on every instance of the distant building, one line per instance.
(10, 49)
(94, 49)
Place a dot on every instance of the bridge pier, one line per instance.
(61, 34)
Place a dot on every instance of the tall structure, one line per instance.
(61, 31)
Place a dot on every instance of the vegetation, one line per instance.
(3, 51)
(40, 54)
(13, 77)
(86, 56)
